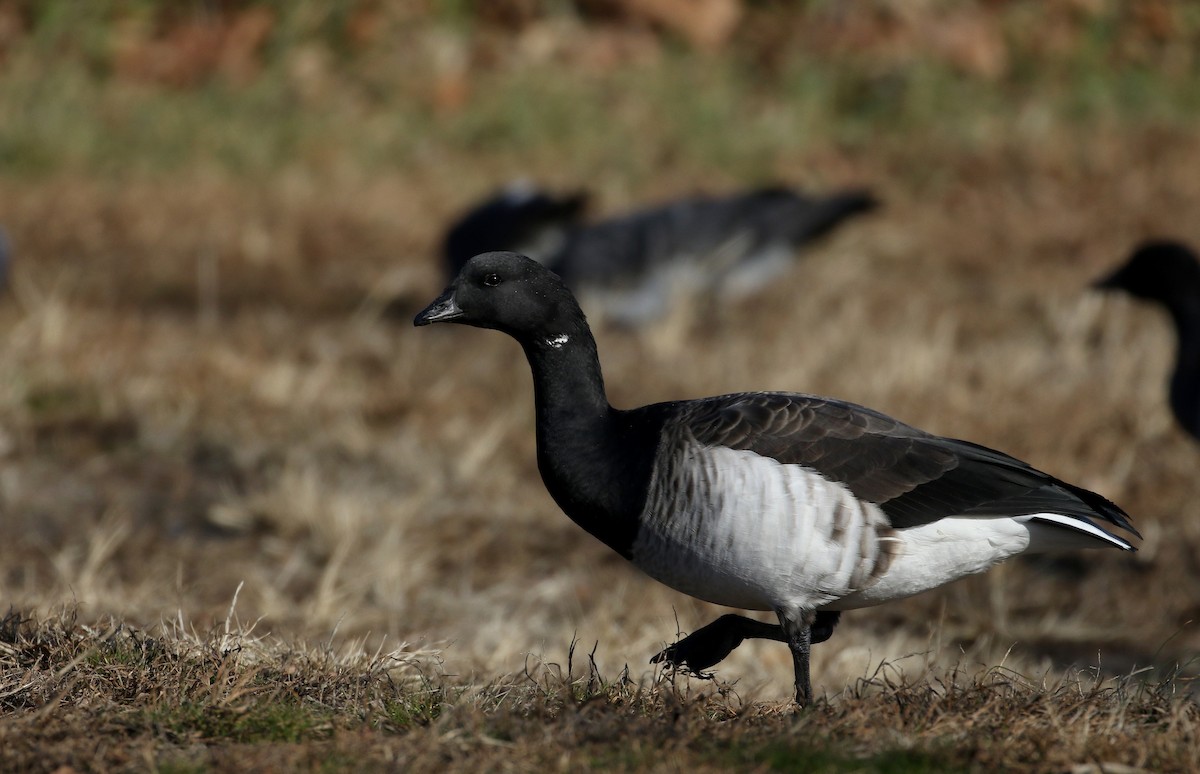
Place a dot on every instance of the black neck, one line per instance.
(584, 445)
(1183, 304)
(567, 382)
(1185, 381)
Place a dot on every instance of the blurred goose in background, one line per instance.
(631, 265)
(786, 502)
(1168, 273)
(519, 217)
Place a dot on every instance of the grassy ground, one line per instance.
(209, 389)
(173, 700)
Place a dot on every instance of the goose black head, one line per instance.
(507, 292)
(1163, 271)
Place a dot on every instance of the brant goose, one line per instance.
(1168, 273)
(792, 503)
(631, 264)
(518, 217)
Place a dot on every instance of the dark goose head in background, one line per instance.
(518, 217)
(1167, 273)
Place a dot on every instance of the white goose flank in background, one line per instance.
(792, 503)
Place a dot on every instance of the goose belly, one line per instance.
(735, 528)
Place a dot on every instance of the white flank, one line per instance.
(757, 271)
(737, 529)
(558, 341)
(948, 549)
(932, 555)
(734, 528)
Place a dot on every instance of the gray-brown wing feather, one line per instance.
(915, 477)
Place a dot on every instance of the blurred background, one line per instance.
(222, 215)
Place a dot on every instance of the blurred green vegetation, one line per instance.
(247, 88)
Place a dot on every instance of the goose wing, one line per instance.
(714, 233)
(913, 476)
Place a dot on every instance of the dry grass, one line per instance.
(368, 482)
(169, 699)
(208, 383)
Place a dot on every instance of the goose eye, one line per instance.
(491, 280)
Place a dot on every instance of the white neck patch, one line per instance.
(558, 341)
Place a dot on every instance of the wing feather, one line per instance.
(915, 477)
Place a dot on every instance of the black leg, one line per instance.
(797, 625)
(822, 628)
(709, 645)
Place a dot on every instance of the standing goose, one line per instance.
(764, 500)
(1168, 273)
